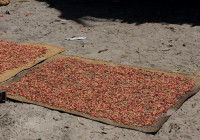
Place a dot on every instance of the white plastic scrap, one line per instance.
(76, 38)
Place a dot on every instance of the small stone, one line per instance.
(102, 127)
(193, 105)
(66, 126)
(4, 2)
(57, 117)
(7, 12)
(103, 133)
(170, 45)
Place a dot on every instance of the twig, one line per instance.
(102, 50)
(98, 132)
(4, 115)
(138, 52)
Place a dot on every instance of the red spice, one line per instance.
(15, 55)
(124, 95)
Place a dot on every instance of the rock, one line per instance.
(4, 2)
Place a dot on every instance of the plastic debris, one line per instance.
(42, 58)
(177, 70)
(194, 71)
(76, 38)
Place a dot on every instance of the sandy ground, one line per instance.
(163, 36)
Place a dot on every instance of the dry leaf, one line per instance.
(80, 121)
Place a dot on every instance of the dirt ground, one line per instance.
(149, 34)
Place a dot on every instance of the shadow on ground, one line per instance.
(131, 11)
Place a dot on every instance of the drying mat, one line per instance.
(115, 94)
(22, 56)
